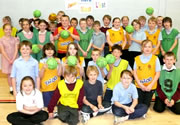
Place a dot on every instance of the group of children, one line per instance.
(132, 79)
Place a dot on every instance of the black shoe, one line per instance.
(11, 92)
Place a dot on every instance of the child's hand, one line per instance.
(100, 107)
(111, 66)
(131, 109)
(163, 52)
(94, 108)
(167, 102)
(84, 54)
(40, 46)
(127, 110)
(58, 61)
(45, 66)
(171, 103)
(14, 93)
(143, 88)
(51, 115)
(148, 88)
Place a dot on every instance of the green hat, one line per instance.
(71, 60)
(37, 13)
(129, 29)
(110, 59)
(52, 63)
(64, 34)
(35, 48)
(149, 11)
(101, 62)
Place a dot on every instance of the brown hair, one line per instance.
(144, 42)
(61, 12)
(70, 70)
(167, 19)
(127, 72)
(153, 19)
(116, 19)
(25, 43)
(4, 26)
(82, 19)
(96, 50)
(66, 16)
(26, 20)
(49, 46)
(76, 47)
(24, 79)
(116, 46)
(96, 23)
(136, 21)
(168, 54)
(91, 68)
(107, 16)
(124, 17)
(142, 18)
(8, 18)
(74, 18)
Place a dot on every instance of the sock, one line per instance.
(10, 88)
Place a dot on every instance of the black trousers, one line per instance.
(132, 55)
(61, 55)
(160, 106)
(18, 118)
(145, 97)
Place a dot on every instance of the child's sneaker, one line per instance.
(118, 119)
(85, 117)
(55, 114)
(144, 116)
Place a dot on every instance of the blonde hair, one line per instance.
(92, 68)
(152, 19)
(70, 70)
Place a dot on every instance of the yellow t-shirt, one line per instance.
(146, 71)
(69, 98)
(13, 33)
(154, 38)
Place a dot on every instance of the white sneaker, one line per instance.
(120, 119)
(55, 114)
(85, 117)
(144, 116)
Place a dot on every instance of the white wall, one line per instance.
(132, 8)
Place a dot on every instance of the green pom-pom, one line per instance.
(52, 63)
(64, 34)
(35, 48)
(149, 11)
(101, 62)
(71, 60)
(110, 59)
(37, 13)
(129, 29)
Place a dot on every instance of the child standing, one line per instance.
(159, 23)
(59, 18)
(69, 97)
(142, 20)
(26, 34)
(136, 39)
(72, 50)
(25, 65)
(146, 72)
(114, 71)
(125, 99)
(9, 50)
(43, 37)
(115, 35)
(93, 95)
(102, 71)
(74, 22)
(29, 103)
(62, 43)
(98, 39)
(168, 88)
(90, 21)
(84, 44)
(154, 34)
(49, 77)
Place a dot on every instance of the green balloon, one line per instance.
(52, 63)
(149, 11)
(35, 48)
(71, 60)
(129, 29)
(110, 59)
(37, 13)
(64, 34)
(101, 62)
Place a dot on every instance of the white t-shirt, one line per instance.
(34, 99)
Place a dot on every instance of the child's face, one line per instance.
(36, 24)
(25, 51)
(95, 55)
(27, 87)
(151, 25)
(5, 21)
(147, 48)
(136, 26)
(126, 80)
(65, 21)
(83, 25)
(72, 50)
(8, 30)
(96, 28)
(106, 21)
(169, 61)
(117, 53)
(26, 26)
(70, 78)
(116, 23)
(89, 22)
(42, 26)
(92, 76)
(49, 52)
(52, 27)
(125, 22)
(59, 15)
(142, 22)
(73, 23)
(159, 21)
(167, 25)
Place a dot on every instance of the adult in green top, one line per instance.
(26, 34)
(169, 41)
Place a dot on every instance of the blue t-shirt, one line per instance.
(123, 95)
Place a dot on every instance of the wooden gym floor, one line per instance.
(7, 106)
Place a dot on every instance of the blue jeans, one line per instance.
(139, 111)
